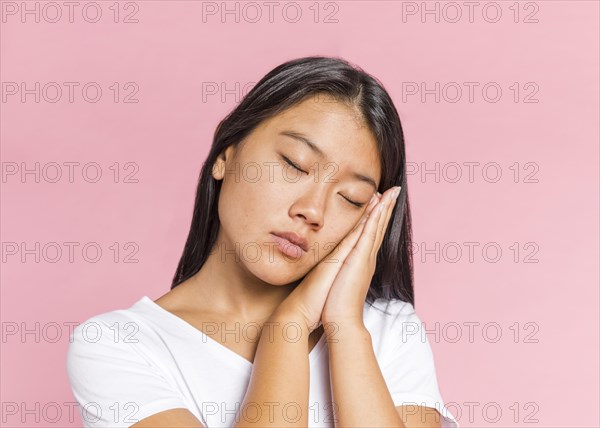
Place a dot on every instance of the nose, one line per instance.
(310, 207)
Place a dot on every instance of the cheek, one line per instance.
(243, 207)
(329, 240)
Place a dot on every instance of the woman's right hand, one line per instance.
(308, 298)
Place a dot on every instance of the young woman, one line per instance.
(293, 302)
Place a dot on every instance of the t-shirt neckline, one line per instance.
(313, 354)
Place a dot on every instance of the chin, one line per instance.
(280, 280)
(279, 275)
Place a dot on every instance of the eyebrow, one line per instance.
(300, 137)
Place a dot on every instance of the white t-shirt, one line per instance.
(128, 364)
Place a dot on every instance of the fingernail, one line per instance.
(397, 192)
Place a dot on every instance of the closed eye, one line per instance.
(292, 164)
(358, 204)
(295, 166)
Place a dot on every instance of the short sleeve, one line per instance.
(113, 382)
(408, 365)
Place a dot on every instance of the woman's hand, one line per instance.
(348, 292)
(309, 297)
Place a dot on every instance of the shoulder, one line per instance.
(396, 330)
(405, 356)
(389, 314)
(111, 359)
(120, 322)
(108, 336)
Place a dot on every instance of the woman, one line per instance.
(292, 304)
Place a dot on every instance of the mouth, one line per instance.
(291, 246)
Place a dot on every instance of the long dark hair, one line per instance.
(284, 86)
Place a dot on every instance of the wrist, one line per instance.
(290, 324)
(355, 323)
(341, 328)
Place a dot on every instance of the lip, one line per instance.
(294, 238)
(291, 244)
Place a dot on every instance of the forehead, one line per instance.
(334, 127)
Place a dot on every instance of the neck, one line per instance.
(225, 286)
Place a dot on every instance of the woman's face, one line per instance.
(262, 194)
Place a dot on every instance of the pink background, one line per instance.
(546, 377)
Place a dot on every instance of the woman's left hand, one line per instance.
(348, 291)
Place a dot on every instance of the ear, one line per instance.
(219, 167)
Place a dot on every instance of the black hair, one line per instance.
(281, 88)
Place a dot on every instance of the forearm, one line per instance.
(277, 394)
(359, 391)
